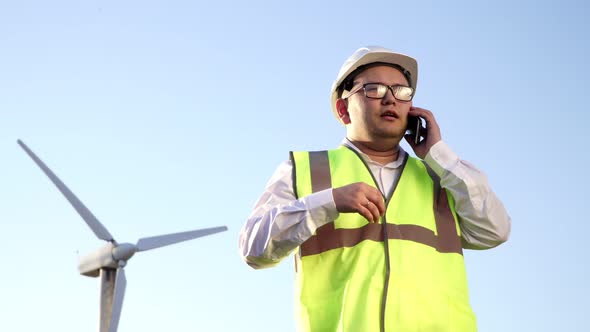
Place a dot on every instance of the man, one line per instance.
(378, 235)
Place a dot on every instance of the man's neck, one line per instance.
(380, 153)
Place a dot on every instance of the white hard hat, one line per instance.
(372, 54)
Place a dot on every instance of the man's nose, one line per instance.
(388, 98)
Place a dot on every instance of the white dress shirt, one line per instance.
(280, 223)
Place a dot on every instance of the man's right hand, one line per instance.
(361, 198)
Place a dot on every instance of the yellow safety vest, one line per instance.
(404, 274)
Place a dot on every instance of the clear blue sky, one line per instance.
(165, 116)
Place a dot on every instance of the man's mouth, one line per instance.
(390, 115)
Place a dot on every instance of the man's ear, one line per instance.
(342, 109)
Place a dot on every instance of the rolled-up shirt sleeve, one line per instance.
(279, 222)
(483, 220)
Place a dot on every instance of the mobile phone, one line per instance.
(414, 125)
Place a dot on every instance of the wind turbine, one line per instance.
(108, 262)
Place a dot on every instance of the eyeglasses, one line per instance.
(379, 90)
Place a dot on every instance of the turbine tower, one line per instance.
(109, 261)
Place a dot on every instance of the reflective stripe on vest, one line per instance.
(350, 278)
(447, 240)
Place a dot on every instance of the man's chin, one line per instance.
(393, 131)
(393, 136)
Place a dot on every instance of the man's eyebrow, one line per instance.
(400, 84)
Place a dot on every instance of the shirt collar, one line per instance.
(394, 164)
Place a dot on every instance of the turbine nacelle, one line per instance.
(91, 264)
(109, 256)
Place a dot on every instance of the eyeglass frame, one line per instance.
(389, 87)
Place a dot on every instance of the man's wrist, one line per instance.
(321, 207)
(441, 158)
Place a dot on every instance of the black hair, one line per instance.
(348, 82)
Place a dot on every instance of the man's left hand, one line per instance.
(429, 135)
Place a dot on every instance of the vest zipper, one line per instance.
(387, 267)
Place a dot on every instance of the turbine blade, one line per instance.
(99, 230)
(118, 296)
(153, 242)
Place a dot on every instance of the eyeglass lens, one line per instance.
(378, 90)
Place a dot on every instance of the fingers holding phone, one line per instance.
(422, 138)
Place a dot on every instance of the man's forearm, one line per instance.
(484, 221)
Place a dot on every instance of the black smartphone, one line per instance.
(414, 125)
